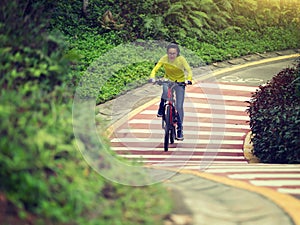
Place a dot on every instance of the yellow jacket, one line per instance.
(174, 71)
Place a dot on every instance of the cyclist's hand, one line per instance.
(151, 80)
(188, 82)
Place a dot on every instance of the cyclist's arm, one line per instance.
(188, 69)
(155, 69)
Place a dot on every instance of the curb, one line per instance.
(244, 62)
(248, 149)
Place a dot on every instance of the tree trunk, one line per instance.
(85, 4)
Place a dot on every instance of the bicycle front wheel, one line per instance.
(168, 116)
(172, 134)
(167, 136)
(169, 127)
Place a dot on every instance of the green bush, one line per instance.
(39, 157)
(275, 118)
(123, 68)
(44, 178)
(43, 173)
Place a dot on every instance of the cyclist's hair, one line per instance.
(172, 45)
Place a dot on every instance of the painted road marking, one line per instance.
(186, 141)
(174, 156)
(275, 183)
(214, 106)
(186, 132)
(264, 175)
(230, 87)
(217, 97)
(293, 191)
(213, 145)
(205, 115)
(191, 124)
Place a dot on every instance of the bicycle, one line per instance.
(169, 117)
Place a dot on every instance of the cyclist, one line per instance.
(175, 67)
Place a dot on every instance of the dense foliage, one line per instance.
(43, 177)
(176, 19)
(214, 30)
(275, 118)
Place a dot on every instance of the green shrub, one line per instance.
(43, 175)
(39, 157)
(275, 118)
(123, 68)
(31, 59)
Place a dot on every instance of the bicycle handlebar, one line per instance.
(161, 82)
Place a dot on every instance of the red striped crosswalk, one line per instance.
(215, 126)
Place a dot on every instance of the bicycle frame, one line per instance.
(169, 118)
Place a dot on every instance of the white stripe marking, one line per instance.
(260, 166)
(192, 124)
(184, 164)
(249, 169)
(218, 97)
(213, 107)
(198, 165)
(265, 175)
(204, 115)
(293, 191)
(275, 183)
(227, 87)
(182, 157)
(186, 132)
(205, 151)
(186, 141)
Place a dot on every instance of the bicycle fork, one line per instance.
(169, 116)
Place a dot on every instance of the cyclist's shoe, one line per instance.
(160, 111)
(188, 82)
(179, 135)
(159, 115)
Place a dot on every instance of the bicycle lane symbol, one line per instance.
(237, 79)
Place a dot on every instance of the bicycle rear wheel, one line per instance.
(168, 124)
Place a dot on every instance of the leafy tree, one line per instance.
(185, 15)
(85, 4)
(259, 14)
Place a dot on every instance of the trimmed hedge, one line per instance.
(275, 118)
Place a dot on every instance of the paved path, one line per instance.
(215, 128)
(211, 202)
(215, 181)
(215, 125)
